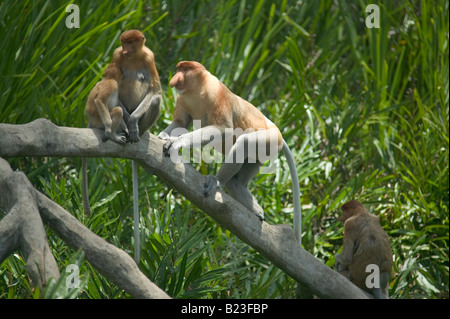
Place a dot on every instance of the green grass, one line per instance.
(365, 111)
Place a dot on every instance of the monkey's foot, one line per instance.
(123, 132)
(120, 139)
(172, 149)
(211, 184)
(133, 131)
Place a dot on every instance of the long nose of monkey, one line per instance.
(173, 82)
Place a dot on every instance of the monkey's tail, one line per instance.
(295, 191)
(84, 183)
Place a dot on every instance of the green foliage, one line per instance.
(365, 111)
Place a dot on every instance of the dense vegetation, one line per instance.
(365, 111)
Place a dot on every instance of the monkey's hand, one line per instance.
(211, 184)
(172, 149)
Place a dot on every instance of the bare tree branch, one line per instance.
(275, 242)
(111, 262)
(22, 229)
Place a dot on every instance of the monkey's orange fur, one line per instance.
(205, 98)
(138, 65)
(102, 106)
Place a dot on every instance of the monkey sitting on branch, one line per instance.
(366, 258)
(202, 98)
(104, 112)
(138, 92)
(103, 108)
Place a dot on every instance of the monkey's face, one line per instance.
(131, 46)
(132, 41)
(187, 76)
(350, 209)
(184, 79)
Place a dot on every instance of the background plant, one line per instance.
(365, 111)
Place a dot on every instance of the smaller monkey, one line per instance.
(102, 107)
(104, 112)
(365, 243)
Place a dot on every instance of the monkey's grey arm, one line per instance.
(196, 138)
(175, 129)
(145, 115)
(145, 105)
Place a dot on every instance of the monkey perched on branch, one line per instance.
(366, 257)
(102, 107)
(127, 98)
(254, 138)
(138, 92)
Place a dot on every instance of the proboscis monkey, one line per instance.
(140, 90)
(139, 97)
(202, 97)
(104, 112)
(365, 244)
(102, 107)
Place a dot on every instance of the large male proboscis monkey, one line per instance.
(366, 257)
(202, 97)
(104, 112)
(139, 97)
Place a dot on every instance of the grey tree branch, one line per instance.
(110, 261)
(22, 229)
(276, 242)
